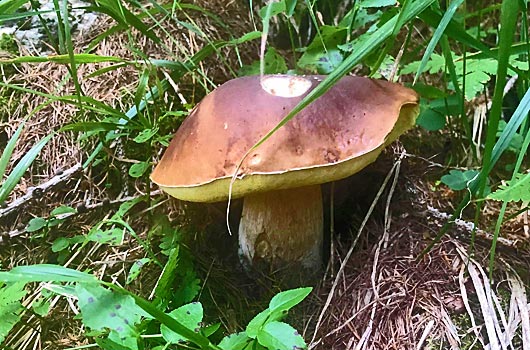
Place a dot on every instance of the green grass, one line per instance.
(451, 52)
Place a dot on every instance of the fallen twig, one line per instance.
(469, 226)
(17, 232)
(42, 188)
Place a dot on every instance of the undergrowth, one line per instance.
(451, 52)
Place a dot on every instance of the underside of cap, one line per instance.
(335, 136)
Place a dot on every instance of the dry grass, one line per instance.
(383, 298)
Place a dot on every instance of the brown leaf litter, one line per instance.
(384, 297)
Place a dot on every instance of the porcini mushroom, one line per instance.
(334, 137)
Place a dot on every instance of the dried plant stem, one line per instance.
(15, 233)
(331, 294)
(468, 226)
(30, 194)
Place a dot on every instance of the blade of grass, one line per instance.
(8, 151)
(440, 29)
(20, 15)
(8, 7)
(89, 102)
(509, 14)
(500, 218)
(65, 24)
(46, 273)
(116, 10)
(64, 59)
(21, 167)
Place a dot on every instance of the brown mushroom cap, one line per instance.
(335, 136)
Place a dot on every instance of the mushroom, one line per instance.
(332, 138)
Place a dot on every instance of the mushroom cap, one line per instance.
(333, 137)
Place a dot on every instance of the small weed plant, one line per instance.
(448, 51)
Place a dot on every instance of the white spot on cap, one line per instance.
(255, 160)
(225, 125)
(285, 85)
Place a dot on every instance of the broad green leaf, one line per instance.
(431, 120)
(272, 9)
(60, 243)
(163, 285)
(113, 236)
(21, 167)
(63, 209)
(126, 206)
(284, 301)
(190, 316)
(274, 63)
(280, 336)
(278, 308)
(514, 191)
(258, 321)
(376, 3)
(138, 169)
(41, 307)
(237, 341)
(102, 308)
(458, 180)
(210, 329)
(10, 306)
(189, 285)
(323, 55)
(135, 269)
(36, 224)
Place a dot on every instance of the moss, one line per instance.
(8, 44)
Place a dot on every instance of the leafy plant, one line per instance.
(514, 190)
(10, 306)
(458, 180)
(57, 216)
(115, 315)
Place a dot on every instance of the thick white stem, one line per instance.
(283, 229)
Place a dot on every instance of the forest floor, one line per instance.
(378, 291)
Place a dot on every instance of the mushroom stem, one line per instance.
(283, 229)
